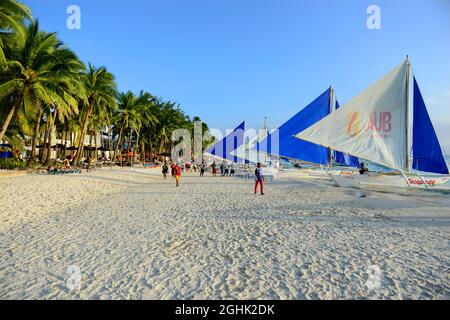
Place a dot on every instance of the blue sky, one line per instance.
(233, 60)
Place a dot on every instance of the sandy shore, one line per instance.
(135, 236)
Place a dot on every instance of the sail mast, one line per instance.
(267, 161)
(408, 67)
(330, 158)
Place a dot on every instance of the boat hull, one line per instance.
(381, 180)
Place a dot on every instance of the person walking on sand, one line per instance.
(172, 169)
(232, 169)
(202, 169)
(214, 169)
(89, 163)
(227, 169)
(177, 174)
(259, 178)
(165, 170)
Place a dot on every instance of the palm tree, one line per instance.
(12, 14)
(126, 115)
(147, 110)
(100, 92)
(45, 88)
(42, 74)
(170, 117)
(102, 121)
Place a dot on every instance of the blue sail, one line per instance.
(293, 148)
(225, 148)
(344, 158)
(427, 153)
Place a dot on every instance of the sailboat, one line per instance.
(225, 149)
(375, 126)
(249, 150)
(282, 143)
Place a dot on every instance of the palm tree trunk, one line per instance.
(50, 138)
(130, 135)
(95, 140)
(90, 144)
(109, 142)
(136, 146)
(11, 113)
(47, 138)
(161, 146)
(150, 144)
(7, 121)
(65, 140)
(117, 145)
(102, 143)
(79, 153)
(35, 138)
(72, 138)
(42, 150)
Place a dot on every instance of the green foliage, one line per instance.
(11, 164)
(44, 86)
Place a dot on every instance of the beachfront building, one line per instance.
(95, 144)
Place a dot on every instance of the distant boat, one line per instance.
(374, 126)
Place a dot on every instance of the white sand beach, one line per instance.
(135, 236)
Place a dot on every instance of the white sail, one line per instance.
(372, 125)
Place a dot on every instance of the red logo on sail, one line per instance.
(353, 125)
(380, 122)
(378, 125)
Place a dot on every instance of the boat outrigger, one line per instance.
(375, 126)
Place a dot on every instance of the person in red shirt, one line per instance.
(259, 178)
(172, 169)
(177, 174)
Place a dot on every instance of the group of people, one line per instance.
(175, 169)
(225, 170)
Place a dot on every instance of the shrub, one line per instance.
(11, 164)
